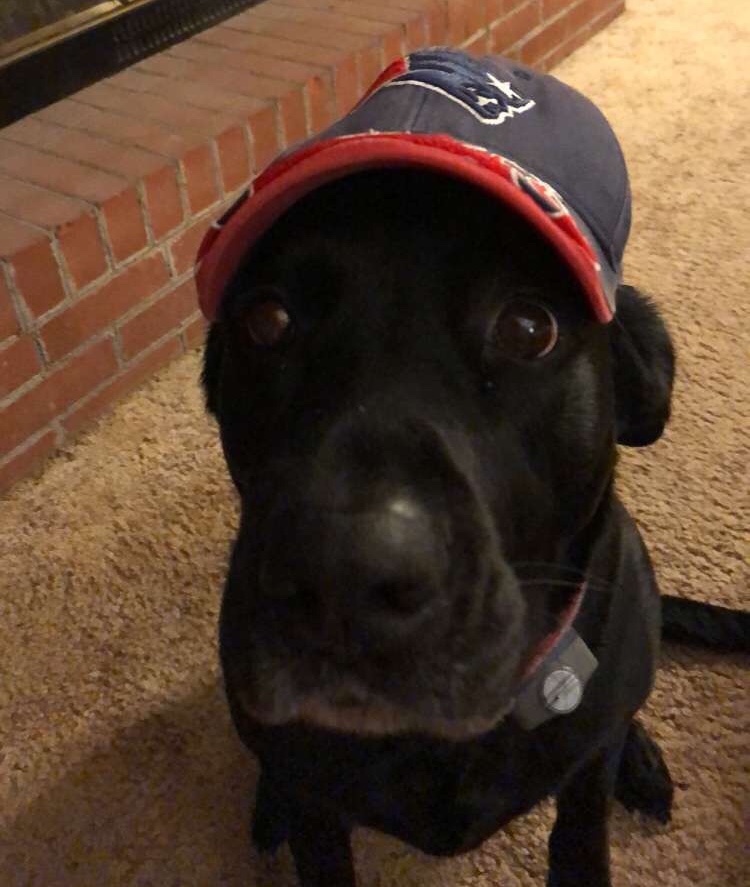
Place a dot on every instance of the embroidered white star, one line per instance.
(504, 86)
(490, 100)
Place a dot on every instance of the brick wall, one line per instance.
(104, 196)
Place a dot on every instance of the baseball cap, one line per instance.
(529, 140)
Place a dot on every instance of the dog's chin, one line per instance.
(382, 719)
(365, 715)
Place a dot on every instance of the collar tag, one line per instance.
(557, 685)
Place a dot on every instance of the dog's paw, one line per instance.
(643, 779)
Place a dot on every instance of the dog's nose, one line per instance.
(372, 575)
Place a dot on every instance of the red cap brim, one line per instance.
(296, 175)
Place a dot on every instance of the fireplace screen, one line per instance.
(51, 48)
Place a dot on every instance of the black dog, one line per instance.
(421, 418)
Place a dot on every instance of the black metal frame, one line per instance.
(55, 71)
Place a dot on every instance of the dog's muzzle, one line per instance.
(373, 577)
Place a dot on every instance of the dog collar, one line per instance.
(555, 678)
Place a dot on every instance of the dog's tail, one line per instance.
(705, 625)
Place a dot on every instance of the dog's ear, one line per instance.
(212, 357)
(643, 364)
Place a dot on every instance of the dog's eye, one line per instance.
(268, 323)
(524, 330)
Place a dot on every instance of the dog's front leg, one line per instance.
(579, 843)
(271, 818)
(321, 848)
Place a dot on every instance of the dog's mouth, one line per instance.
(346, 704)
(380, 718)
(357, 710)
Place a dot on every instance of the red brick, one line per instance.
(295, 32)
(551, 8)
(411, 5)
(19, 362)
(293, 114)
(172, 69)
(566, 48)
(269, 46)
(607, 16)
(163, 201)
(195, 93)
(416, 33)
(346, 86)
(164, 110)
(36, 205)
(98, 404)
(103, 307)
(195, 332)
(82, 249)
(514, 27)
(277, 69)
(370, 67)
(265, 139)
(9, 324)
(16, 236)
(151, 135)
(34, 410)
(200, 177)
(394, 13)
(156, 75)
(457, 24)
(393, 47)
(544, 41)
(185, 247)
(23, 464)
(339, 21)
(138, 78)
(475, 15)
(498, 8)
(479, 45)
(57, 173)
(584, 12)
(582, 22)
(437, 26)
(345, 15)
(124, 160)
(154, 322)
(125, 226)
(320, 93)
(234, 162)
(38, 277)
(235, 78)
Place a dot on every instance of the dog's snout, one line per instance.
(395, 552)
(365, 576)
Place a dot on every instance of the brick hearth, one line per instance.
(104, 196)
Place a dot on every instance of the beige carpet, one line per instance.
(118, 765)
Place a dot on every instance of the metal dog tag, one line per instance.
(557, 686)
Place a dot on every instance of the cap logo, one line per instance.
(548, 200)
(466, 82)
(542, 193)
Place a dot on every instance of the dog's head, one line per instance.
(420, 412)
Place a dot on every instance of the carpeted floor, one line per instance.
(118, 765)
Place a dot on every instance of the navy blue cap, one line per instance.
(535, 144)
